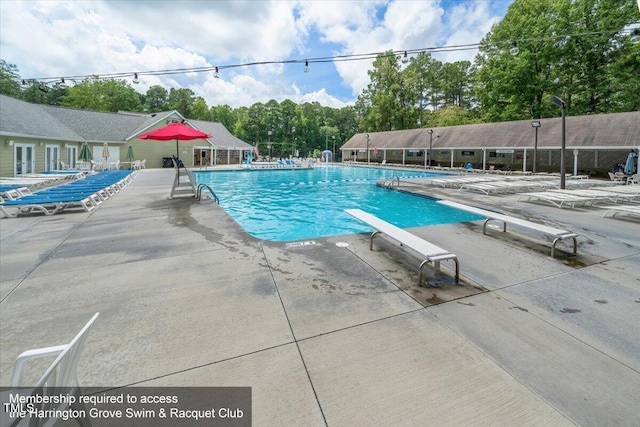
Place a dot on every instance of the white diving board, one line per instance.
(557, 233)
(429, 251)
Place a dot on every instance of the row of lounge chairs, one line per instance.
(280, 164)
(492, 184)
(586, 197)
(617, 198)
(41, 180)
(87, 194)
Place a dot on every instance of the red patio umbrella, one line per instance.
(177, 131)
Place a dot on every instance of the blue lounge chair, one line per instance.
(48, 205)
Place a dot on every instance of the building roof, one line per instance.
(20, 118)
(98, 126)
(602, 131)
(221, 136)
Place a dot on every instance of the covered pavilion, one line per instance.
(594, 144)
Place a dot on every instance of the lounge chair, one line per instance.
(48, 205)
(621, 209)
(60, 377)
(13, 192)
(625, 189)
(598, 196)
(556, 199)
(616, 176)
(96, 167)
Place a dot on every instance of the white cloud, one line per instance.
(468, 23)
(353, 25)
(323, 98)
(66, 38)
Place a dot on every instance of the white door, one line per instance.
(51, 157)
(25, 159)
(114, 155)
(72, 155)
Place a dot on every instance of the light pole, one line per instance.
(269, 144)
(430, 132)
(333, 153)
(563, 169)
(367, 135)
(536, 124)
(293, 142)
(326, 136)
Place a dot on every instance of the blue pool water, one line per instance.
(287, 205)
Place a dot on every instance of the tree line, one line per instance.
(574, 49)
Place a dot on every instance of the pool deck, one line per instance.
(326, 332)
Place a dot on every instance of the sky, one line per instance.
(76, 38)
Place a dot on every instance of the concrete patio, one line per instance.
(328, 333)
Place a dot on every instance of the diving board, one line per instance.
(557, 233)
(429, 251)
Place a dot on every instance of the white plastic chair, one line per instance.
(61, 373)
(143, 164)
(97, 167)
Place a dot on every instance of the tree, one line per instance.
(588, 73)
(156, 100)
(200, 110)
(224, 114)
(451, 115)
(182, 100)
(625, 84)
(102, 95)
(568, 48)
(40, 93)
(419, 78)
(9, 79)
(383, 104)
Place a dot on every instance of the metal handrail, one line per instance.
(389, 183)
(213, 194)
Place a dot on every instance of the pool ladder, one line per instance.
(213, 195)
(389, 183)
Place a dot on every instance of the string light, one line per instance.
(514, 49)
(136, 80)
(402, 54)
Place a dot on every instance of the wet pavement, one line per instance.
(327, 332)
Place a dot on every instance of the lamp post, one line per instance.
(326, 136)
(333, 153)
(293, 142)
(367, 135)
(560, 103)
(536, 124)
(430, 132)
(269, 144)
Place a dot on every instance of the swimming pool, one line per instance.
(288, 205)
